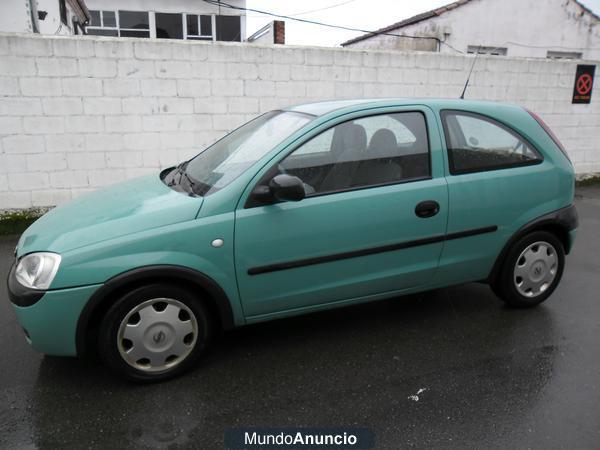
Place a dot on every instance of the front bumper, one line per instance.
(50, 318)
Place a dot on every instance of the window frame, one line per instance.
(273, 169)
(199, 37)
(453, 171)
(117, 27)
(487, 50)
(149, 29)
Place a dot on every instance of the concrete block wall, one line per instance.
(80, 113)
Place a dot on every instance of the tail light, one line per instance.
(550, 133)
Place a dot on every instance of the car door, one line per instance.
(497, 182)
(357, 232)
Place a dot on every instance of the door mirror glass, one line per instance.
(287, 188)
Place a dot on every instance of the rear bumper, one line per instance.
(569, 220)
(571, 240)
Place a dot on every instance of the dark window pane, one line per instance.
(192, 24)
(169, 26)
(199, 38)
(135, 33)
(369, 151)
(133, 19)
(476, 143)
(101, 32)
(205, 26)
(228, 28)
(95, 21)
(109, 18)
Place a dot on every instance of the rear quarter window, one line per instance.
(479, 143)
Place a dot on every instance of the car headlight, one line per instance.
(37, 270)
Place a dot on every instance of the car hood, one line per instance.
(122, 209)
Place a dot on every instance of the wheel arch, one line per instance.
(559, 223)
(216, 299)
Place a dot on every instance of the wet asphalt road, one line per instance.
(493, 377)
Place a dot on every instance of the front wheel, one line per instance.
(531, 270)
(153, 333)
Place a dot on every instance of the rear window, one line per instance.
(550, 133)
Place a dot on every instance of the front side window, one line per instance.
(229, 157)
(364, 152)
(477, 143)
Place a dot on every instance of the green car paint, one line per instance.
(143, 223)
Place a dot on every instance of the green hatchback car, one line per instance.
(299, 210)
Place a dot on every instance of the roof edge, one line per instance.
(410, 21)
(435, 13)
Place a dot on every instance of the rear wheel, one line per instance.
(531, 270)
(154, 332)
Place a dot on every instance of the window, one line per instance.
(228, 28)
(166, 25)
(134, 24)
(563, 55)
(370, 151)
(477, 143)
(199, 27)
(169, 26)
(103, 23)
(96, 20)
(495, 51)
(124, 24)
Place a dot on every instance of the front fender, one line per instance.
(185, 245)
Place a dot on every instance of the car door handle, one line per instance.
(428, 208)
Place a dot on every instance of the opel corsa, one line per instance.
(302, 209)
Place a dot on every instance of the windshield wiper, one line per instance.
(183, 174)
(176, 170)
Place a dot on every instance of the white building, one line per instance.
(528, 28)
(173, 19)
(62, 17)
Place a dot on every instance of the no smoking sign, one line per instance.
(584, 82)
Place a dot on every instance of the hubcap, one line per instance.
(157, 334)
(535, 269)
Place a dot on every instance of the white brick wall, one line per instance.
(80, 113)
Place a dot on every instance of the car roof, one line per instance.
(325, 107)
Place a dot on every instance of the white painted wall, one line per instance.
(52, 24)
(544, 25)
(15, 16)
(79, 113)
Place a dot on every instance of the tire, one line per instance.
(531, 271)
(154, 333)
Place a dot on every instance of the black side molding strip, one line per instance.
(368, 251)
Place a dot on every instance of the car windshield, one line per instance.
(226, 159)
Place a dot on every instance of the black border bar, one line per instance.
(368, 251)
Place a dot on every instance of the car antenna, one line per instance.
(462, 96)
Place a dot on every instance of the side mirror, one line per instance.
(281, 187)
(287, 188)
